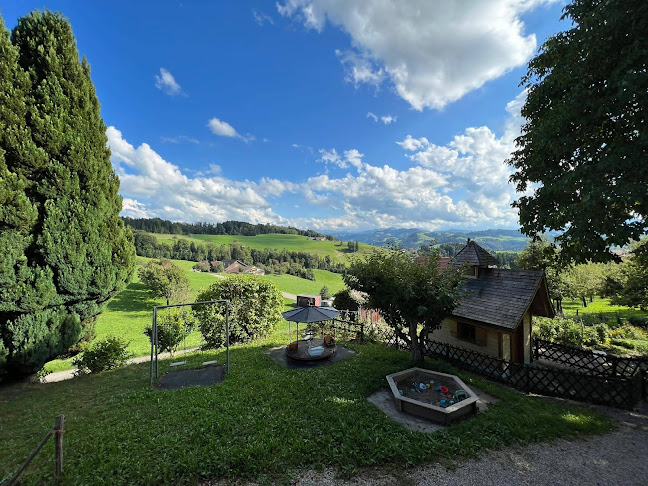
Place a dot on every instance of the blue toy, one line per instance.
(432, 382)
(438, 388)
(400, 391)
(422, 386)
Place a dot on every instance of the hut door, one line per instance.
(517, 345)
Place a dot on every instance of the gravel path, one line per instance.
(619, 457)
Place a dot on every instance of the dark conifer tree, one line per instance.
(76, 253)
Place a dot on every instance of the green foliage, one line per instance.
(570, 332)
(407, 293)
(560, 329)
(627, 331)
(344, 300)
(203, 266)
(254, 310)
(584, 141)
(107, 354)
(165, 279)
(66, 252)
(173, 328)
(631, 287)
(325, 293)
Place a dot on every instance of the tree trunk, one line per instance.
(414, 346)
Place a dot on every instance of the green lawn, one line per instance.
(296, 285)
(264, 422)
(601, 307)
(131, 311)
(275, 241)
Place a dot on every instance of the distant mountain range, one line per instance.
(492, 239)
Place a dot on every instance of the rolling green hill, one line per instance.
(337, 251)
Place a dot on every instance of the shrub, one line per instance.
(628, 332)
(255, 310)
(561, 329)
(638, 321)
(111, 352)
(202, 266)
(218, 268)
(173, 327)
(344, 300)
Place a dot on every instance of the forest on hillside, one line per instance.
(239, 228)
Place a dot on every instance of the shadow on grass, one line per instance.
(133, 298)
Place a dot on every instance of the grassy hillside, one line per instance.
(296, 285)
(337, 252)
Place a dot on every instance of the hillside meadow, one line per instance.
(337, 251)
(128, 314)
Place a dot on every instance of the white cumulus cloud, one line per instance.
(432, 51)
(224, 129)
(167, 83)
(386, 119)
(153, 186)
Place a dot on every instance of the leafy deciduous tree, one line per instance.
(585, 138)
(407, 294)
(165, 279)
(255, 309)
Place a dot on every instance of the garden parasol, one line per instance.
(309, 315)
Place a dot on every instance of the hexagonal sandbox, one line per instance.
(426, 403)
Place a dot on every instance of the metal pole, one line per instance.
(152, 341)
(155, 341)
(228, 336)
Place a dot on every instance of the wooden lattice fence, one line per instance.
(594, 378)
(612, 390)
(362, 331)
(588, 361)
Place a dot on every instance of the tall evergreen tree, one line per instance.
(73, 253)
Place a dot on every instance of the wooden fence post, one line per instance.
(361, 332)
(59, 430)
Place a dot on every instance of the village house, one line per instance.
(236, 266)
(495, 316)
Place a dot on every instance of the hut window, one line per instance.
(466, 332)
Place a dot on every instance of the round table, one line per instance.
(300, 353)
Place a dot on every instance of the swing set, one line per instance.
(154, 368)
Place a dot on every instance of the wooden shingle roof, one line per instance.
(500, 297)
(473, 254)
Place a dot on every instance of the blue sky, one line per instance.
(324, 114)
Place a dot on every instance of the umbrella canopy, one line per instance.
(311, 314)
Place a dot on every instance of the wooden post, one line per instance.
(59, 430)
(361, 332)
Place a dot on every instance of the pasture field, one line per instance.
(337, 253)
(603, 309)
(296, 285)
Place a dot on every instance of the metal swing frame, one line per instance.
(154, 339)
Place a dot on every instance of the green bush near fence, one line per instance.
(107, 354)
